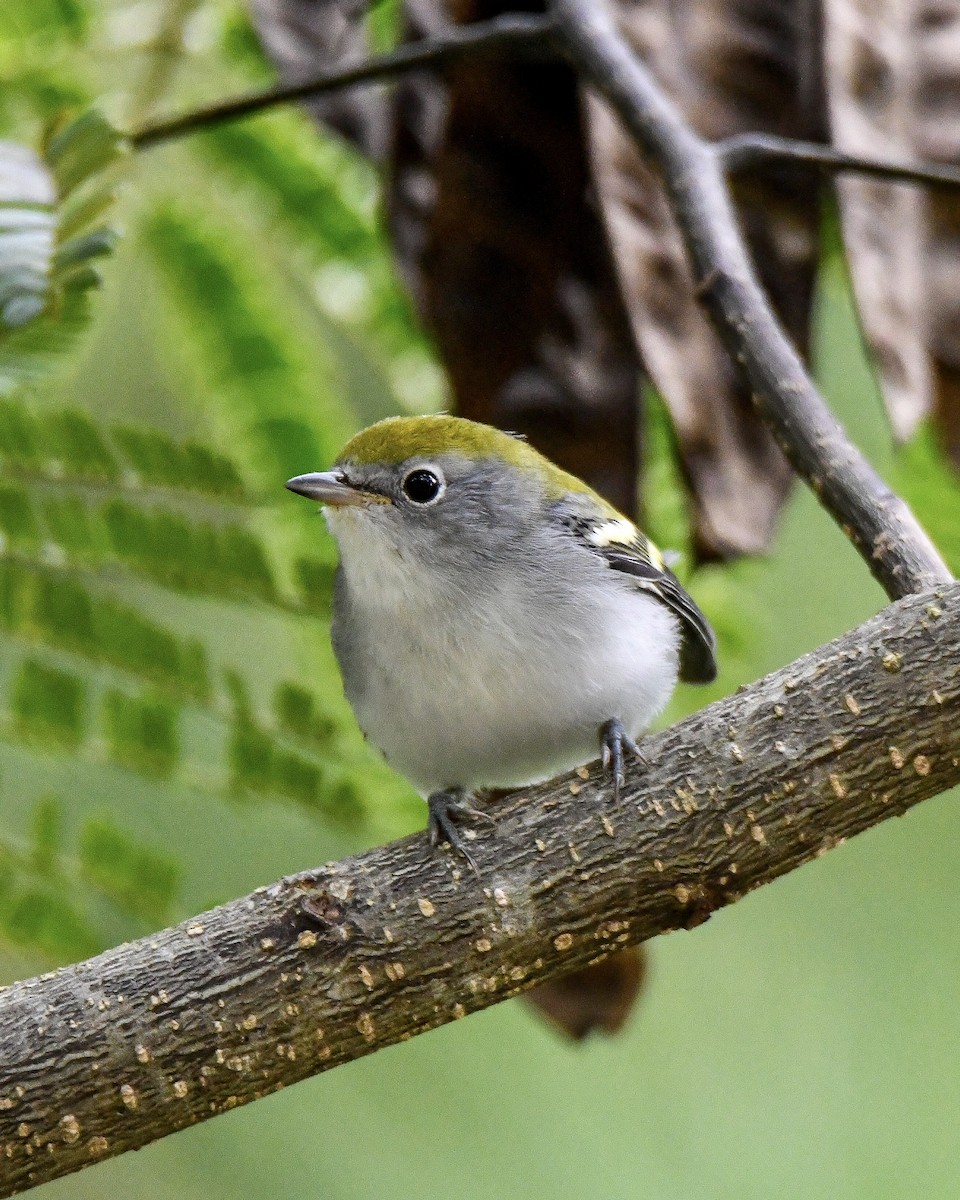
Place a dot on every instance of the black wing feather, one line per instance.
(698, 649)
(635, 555)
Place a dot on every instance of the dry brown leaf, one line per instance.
(871, 58)
(499, 243)
(937, 139)
(732, 66)
(597, 999)
(893, 77)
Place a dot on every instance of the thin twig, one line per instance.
(320, 969)
(534, 35)
(513, 34)
(747, 151)
(878, 522)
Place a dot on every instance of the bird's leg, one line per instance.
(614, 739)
(444, 807)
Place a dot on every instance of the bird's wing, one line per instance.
(624, 548)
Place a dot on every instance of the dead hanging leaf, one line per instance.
(893, 78)
(495, 233)
(937, 139)
(303, 37)
(871, 59)
(595, 999)
(732, 66)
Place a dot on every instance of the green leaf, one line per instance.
(81, 150)
(48, 19)
(326, 195)
(18, 521)
(243, 345)
(46, 834)
(19, 434)
(315, 583)
(71, 525)
(158, 459)
(46, 920)
(63, 612)
(142, 733)
(189, 555)
(75, 442)
(260, 764)
(313, 183)
(50, 705)
(138, 879)
(296, 711)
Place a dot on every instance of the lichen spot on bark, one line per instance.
(69, 1129)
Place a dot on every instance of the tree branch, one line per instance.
(513, 33)
(534, 36)
(748, 151)
(878, 522)
(327, 966)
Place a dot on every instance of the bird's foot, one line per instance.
(614, 740)
(445, 808)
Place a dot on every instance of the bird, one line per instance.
(495, 620)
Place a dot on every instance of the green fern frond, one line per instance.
(327, 197)
(60, 611)
(234, 330)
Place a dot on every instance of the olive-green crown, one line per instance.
(397, 439)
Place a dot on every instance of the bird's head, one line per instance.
(435, 489)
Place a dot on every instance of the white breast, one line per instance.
(503, 688)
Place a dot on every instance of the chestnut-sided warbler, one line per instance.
(493, 616)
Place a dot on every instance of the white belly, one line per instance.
(475, 700)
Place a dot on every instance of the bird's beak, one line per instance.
(329, 487)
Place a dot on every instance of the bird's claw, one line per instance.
(614, 740)
(443, 808)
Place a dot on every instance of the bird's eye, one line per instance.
(422, 486)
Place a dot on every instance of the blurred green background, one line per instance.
(172, 731)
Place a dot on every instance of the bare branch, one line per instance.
(514, 34)
(533, 36)
(333, 964)
(748, 151)
(878, 522)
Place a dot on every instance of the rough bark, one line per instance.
(333, 964)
